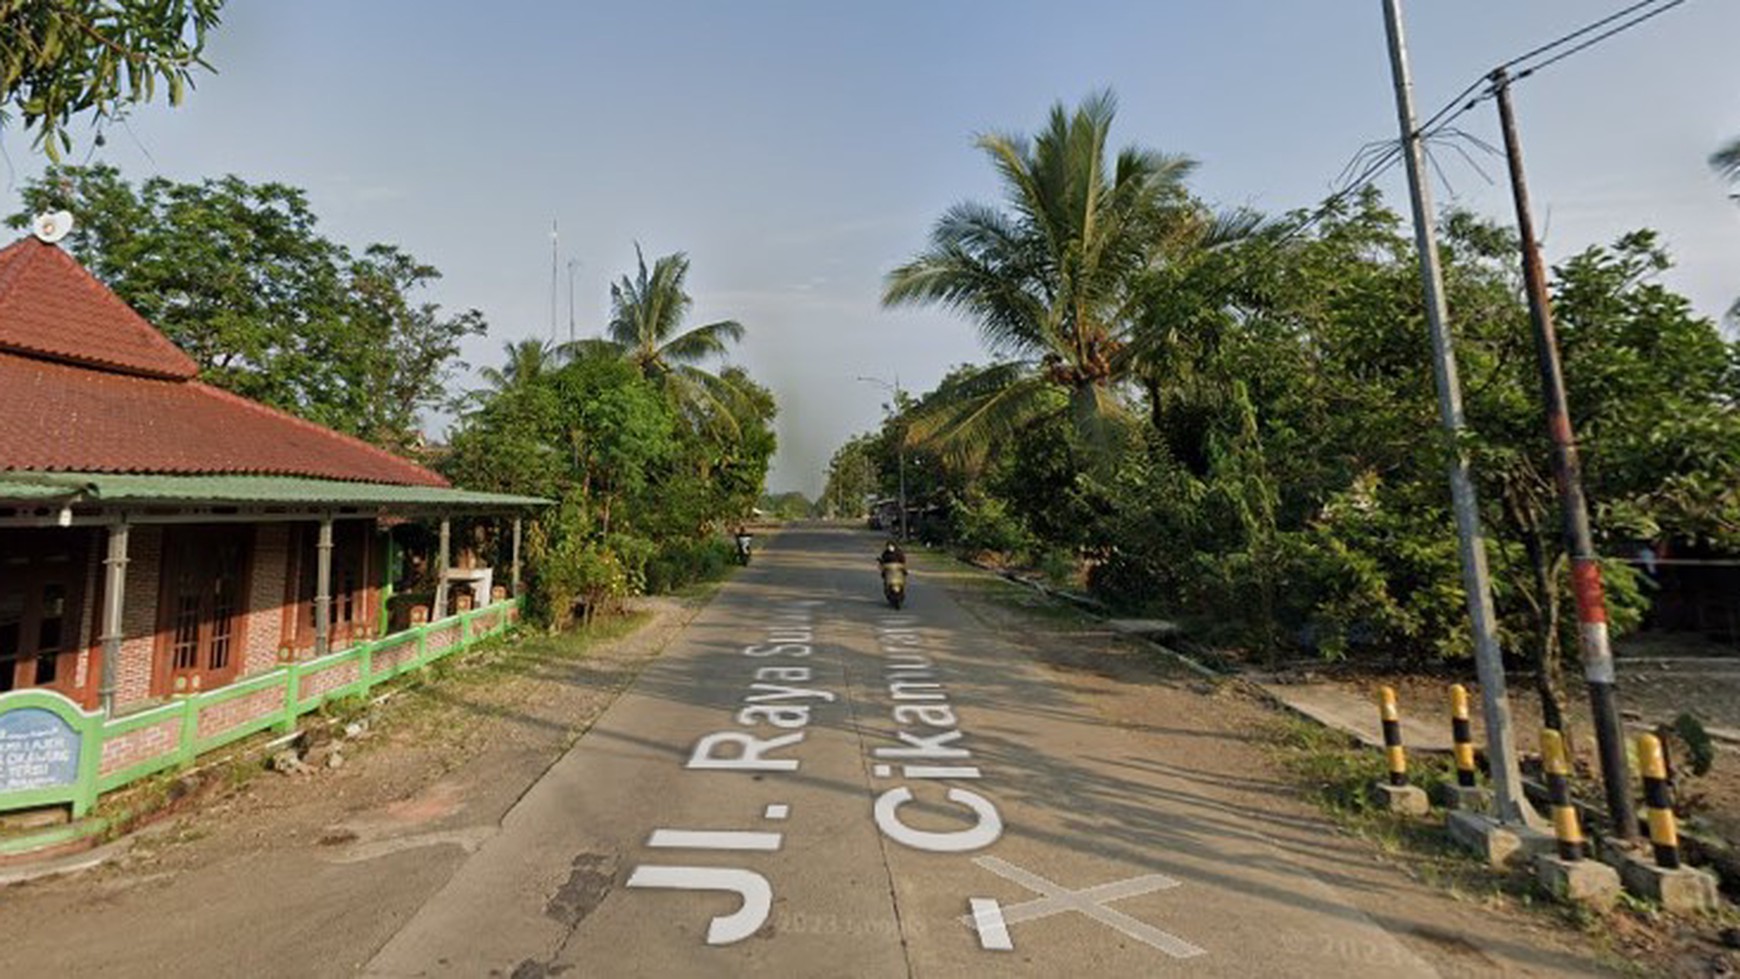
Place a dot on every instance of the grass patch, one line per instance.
(428, 702)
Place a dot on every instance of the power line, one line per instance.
(1441, 119)
(1439, 122)
(1579, 32)
(1597, 39)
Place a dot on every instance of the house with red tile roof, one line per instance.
(181, 567)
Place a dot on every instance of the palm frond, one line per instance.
(702, 342)
(1726, 161)
(967, 420)
(591, 348)
(705, 402)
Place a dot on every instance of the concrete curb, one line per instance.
(1099, 611)
(85, 859)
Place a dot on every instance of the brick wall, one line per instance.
(440, 639)
(139, 617)
(331, 678)
(131, 748)
(265, 625)
(220, 717)
(389, 657)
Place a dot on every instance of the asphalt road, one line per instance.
(808, 783)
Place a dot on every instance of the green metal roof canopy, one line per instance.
(223, 490)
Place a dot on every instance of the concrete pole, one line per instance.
(114, 605)
(441, 559)
(1509, 802)
(323, 589)
(901, 447)
(1585, 565)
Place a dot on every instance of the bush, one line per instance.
(684, 562)
(984, 523)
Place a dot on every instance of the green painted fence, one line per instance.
(52, 752)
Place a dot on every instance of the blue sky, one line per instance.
(797, 151)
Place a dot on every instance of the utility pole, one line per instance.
(1585, 566)
(555, 241)
(904, 536)
(573, 263)
(1508, 800)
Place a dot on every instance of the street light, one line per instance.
(899, 445)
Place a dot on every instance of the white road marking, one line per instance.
(1089, 901)
(988, 919)
(724, 929)
(713, 839)
(776, 810)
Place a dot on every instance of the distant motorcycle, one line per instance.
(743, 542)
(894, 583)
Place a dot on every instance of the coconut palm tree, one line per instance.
(1726, 160)
(1051, 280)
(646, 323)
(525, 362)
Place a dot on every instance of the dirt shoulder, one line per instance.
(1230, 745)
(309, 874)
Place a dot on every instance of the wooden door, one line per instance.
(42, 577)
(203, 607)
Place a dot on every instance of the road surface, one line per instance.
(808, 783)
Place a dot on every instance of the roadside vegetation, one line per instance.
(648, 454)
(1226, 419)
(648, 443)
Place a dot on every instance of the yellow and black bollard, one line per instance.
(1394, 755)
(1565, 824)
(1566, 875)
(1461, 735)
(1394, 793)
(1663, 832)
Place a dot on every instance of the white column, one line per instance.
(323, 589)
(114, 603)
(441, 561)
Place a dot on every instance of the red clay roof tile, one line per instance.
(62, 417)
(51, 306)
(87, 385)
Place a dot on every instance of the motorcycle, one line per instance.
(894, 583)
(743, 541)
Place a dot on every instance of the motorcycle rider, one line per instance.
(892, 563)
(891, 554)
(743, 538)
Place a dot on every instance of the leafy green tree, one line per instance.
(641, 495)
(1652, 391)
(399, 355)
(63, 58)
(1050, 280)
(790, 505)
(238, 276)
(852, 479)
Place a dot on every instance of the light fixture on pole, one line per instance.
(899, 445)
